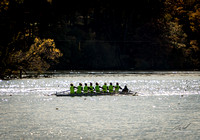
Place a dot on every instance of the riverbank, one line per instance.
(61, 73)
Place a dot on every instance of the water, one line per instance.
(168, 107)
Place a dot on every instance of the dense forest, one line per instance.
(37, 35)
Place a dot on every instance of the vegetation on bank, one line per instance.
(147, 35)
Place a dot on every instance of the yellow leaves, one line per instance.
(36, 40)
(193, 42)
(192, 50)
(50, 1)
(179, 8)
(176, 35)
(194, 45)
(194, 15)
(179, 17)
(176, 19)
(194, 18)
(167, 17)
(181, 1)
(42, 50)
(16, 57)
(4, 5)
(45, 47)
(56, 50)
(36, 57)
(188, 52)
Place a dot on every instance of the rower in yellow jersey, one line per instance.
(97, 88)
(85, 90)
(117, 87)
(91, 88)
(105, 88)
(72, 87)
(79, 89)
(110, 88)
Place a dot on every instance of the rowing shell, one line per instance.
(63, 93)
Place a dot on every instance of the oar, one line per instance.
(61, 92)
(134, 93)
(57, 92)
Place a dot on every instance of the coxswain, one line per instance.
(91, 88)
(85, 90)
(117, 87)
(110, 88)
(105, 88)
(79, 89)
(125, 89)
(97, 88)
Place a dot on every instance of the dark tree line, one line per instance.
(98, 34)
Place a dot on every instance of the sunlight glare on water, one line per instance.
(145, 83)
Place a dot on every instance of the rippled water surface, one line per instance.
(168, 107)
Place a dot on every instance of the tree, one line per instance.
(38, 58)
(181, 22)
(20, 48)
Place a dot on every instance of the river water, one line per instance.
(168, 107)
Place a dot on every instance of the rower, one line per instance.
(97, 88)
(110, 88)
(91, 88)
(85, 88)
(117, 87)
(79, 88)
(105, 88)
(72, 89)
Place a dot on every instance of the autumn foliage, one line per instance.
(181, 20)
(4, 5)
(38, 57)
(99, 35)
